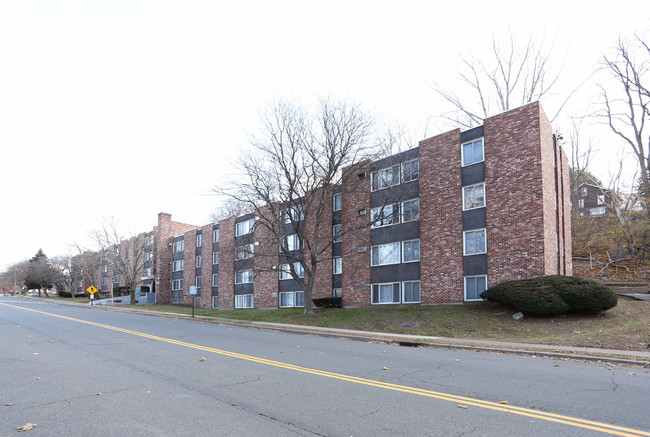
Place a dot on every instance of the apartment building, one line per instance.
(463, 211)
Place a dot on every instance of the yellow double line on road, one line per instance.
(557, 418)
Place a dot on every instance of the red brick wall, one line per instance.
(265, 283)
(189, 265)
(441, 232)
(227, 263)
(517, 205)
(356, 265)
(323, 274)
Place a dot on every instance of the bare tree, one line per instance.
(228, 208)
(288, 179)
(67, 273)
(627, 108)
(124, 252)
(14, 276)
(513, 74)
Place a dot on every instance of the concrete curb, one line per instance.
(544, 351)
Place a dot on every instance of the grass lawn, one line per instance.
(625, 327)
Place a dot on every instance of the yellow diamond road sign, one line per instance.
(91, 290)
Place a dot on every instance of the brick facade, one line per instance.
(516, 222)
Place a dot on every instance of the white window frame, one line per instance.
(379, 247)
(215, 279)
(472, 143)
(467, 234)
(403, 292)
(215, 258)
(384, 284)
(404, 243)
(148, 256)
(215, 302)
(104, 281)
(198, 261)
(581, 203)
(244, 228)
(469, 194)
(473, 277)
(336, 233)
(197, 282)
(401, 216)
(199, 240)
(177, 284)
(215, 235)
(148, 271)
(601, 199)
(178, 265)
(244, 251)
(116, 278)
(285, 271)
(244, 276)
(337, 292)
(379, 182)
(178, 246)
(416, 172)
(337, 202)
(244, 301)
(384, 216)
(293, 214)
(291, 243)
(337, 265)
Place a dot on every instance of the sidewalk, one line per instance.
(637, 358)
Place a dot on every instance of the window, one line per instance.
(411, 292)
(384, 178)
(105, 268)
(148, 256)
(199, 240)
(292, 299)
(474, 286)
(581, 203)
(215, 302)
(337, 292)
(244, 301)
(336, 233)
(104, 281)
(117, 251)
(474, 242)
(337, 202)
(116, 279)
(215, 258)
(177, 265)
(291, 242)
(410, 170)
(410, 210)
(385, 293)
(473, 196)
(244, 276)
(472, 152)
(148, 240)
(384, 216)
(215, 236)
(337, 265)
(285, 271)
(177, 284)
(198, 282)
(245, 251)
(294, 214)
(583, 190)
(179, 246)
(601, 199)
(148, 272)
(385, 254)
(198, 260)
(244, 228)
(411, 251)
(597, 212)
(215, 280)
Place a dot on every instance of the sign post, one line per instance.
(92, 290)
(193, 293)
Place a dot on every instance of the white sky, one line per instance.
(127, 108)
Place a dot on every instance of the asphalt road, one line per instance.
(89, 372)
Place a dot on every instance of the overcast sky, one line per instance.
(127, 108)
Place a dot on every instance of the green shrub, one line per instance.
(65, 294)
(551, 295)
(328, 302)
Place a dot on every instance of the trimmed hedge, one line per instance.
(328, 302)
(65, 294)
(551, 295)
